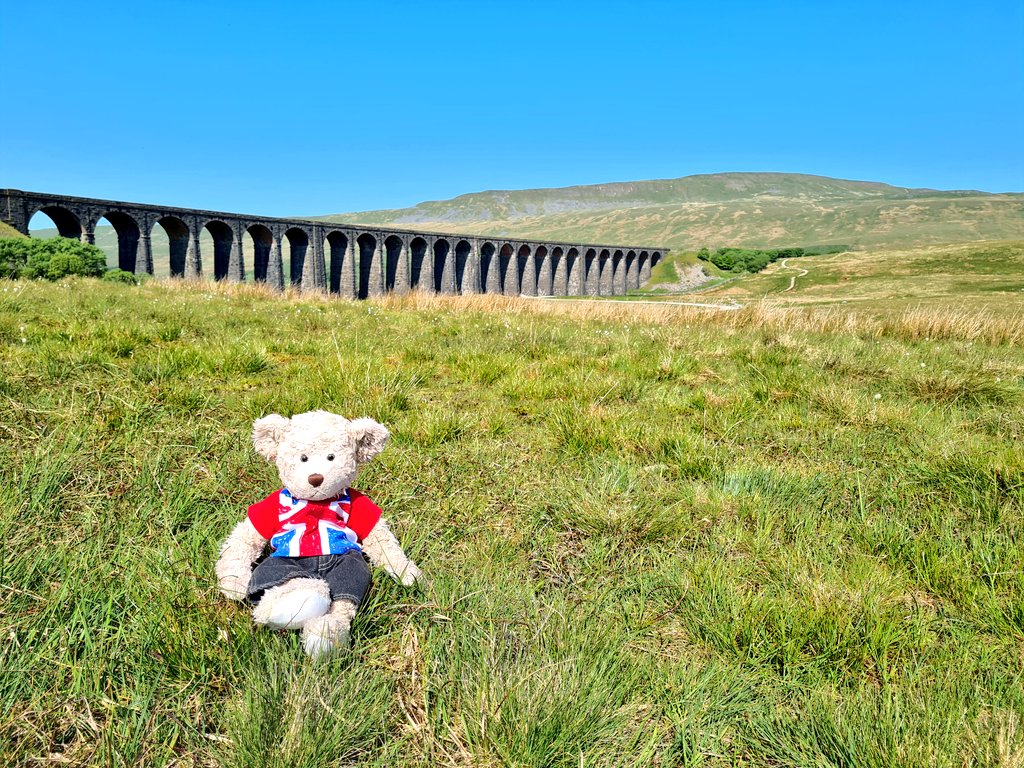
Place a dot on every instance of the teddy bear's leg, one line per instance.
(329, 633)
(292, 604)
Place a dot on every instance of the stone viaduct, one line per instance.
(345, 259)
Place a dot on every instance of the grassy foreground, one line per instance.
(658, 537)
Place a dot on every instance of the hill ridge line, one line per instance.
(748, 209)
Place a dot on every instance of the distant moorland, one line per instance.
(960, 277)
(751, 209)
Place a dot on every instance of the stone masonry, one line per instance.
(348, 260)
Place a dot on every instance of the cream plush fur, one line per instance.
(305, 602)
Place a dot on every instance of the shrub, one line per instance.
(754, 260)
(50, 259)
(120, 276)
(13, 256)
(747, 259)
(61, 256)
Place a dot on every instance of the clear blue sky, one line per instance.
(312, 108)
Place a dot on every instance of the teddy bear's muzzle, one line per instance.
(315, 480)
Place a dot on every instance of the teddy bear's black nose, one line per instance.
(315, 480)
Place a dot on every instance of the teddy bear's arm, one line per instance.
(384, 551)
(237, 553)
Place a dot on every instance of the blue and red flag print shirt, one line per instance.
(303, 528)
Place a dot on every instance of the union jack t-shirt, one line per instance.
(302, 528)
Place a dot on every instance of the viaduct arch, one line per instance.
(347, 260)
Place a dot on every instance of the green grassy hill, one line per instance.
(6, 230)
(664, 538)
(964, 276)
(754, 209)
(879, 281)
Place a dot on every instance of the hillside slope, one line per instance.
(757, 209)
(6, 230)
(986, 277)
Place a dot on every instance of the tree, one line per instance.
(50, 259)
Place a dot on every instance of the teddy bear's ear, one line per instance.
(267, 434)
(370, 436)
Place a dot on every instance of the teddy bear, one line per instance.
(318, 528)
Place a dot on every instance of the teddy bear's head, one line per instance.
(317, 453)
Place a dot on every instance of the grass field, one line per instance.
(656, 536)
(987, 276)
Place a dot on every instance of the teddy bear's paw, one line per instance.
(326, 635)
(410, 575)
(292, 604)
(233, 587)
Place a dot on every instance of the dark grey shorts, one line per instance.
(347, 575)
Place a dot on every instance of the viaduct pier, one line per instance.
(344, 259)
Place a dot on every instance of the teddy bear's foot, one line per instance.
(292, 604)
(329, 634)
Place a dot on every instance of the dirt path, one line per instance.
(792, 280)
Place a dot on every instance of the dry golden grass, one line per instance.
(6, 230)
(913, 324)
(917, 323)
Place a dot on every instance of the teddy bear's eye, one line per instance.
(330, 457)
(303, 457)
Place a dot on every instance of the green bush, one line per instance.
(50, 259)
(120, 276)
(747, 259)
(754, 259)
(13, 256)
